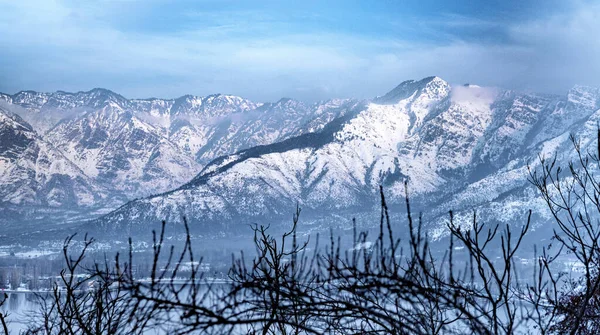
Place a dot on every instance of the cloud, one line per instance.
(77, 45)
(562, 50)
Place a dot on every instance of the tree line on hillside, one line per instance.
(382, 285)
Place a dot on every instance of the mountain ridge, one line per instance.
(434, 138)
(134, 148)
(460, 147)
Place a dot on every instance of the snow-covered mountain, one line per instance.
(461, 148)
(222, 160)
(34, 172)
(120, 151)
(139, 147)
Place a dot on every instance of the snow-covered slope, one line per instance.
(122, 152)
(462, 148)
(222, 160)
(337, 167)
(34, 172)
(139, 147)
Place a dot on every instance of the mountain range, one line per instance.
(222, 160)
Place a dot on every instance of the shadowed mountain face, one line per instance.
(460, 148)
(223, 161)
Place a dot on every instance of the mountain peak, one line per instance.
(103, 92)
(285, 104)
(586, 96)
(100, 90)
(285, 101)
(433, 85)
(101, 97)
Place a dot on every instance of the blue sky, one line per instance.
(309, 50)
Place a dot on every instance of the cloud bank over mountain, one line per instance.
(308, 51)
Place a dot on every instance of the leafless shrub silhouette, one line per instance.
(403, 289)
(3, 299)
(573, 198)
(379, 285)
(84, 300)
